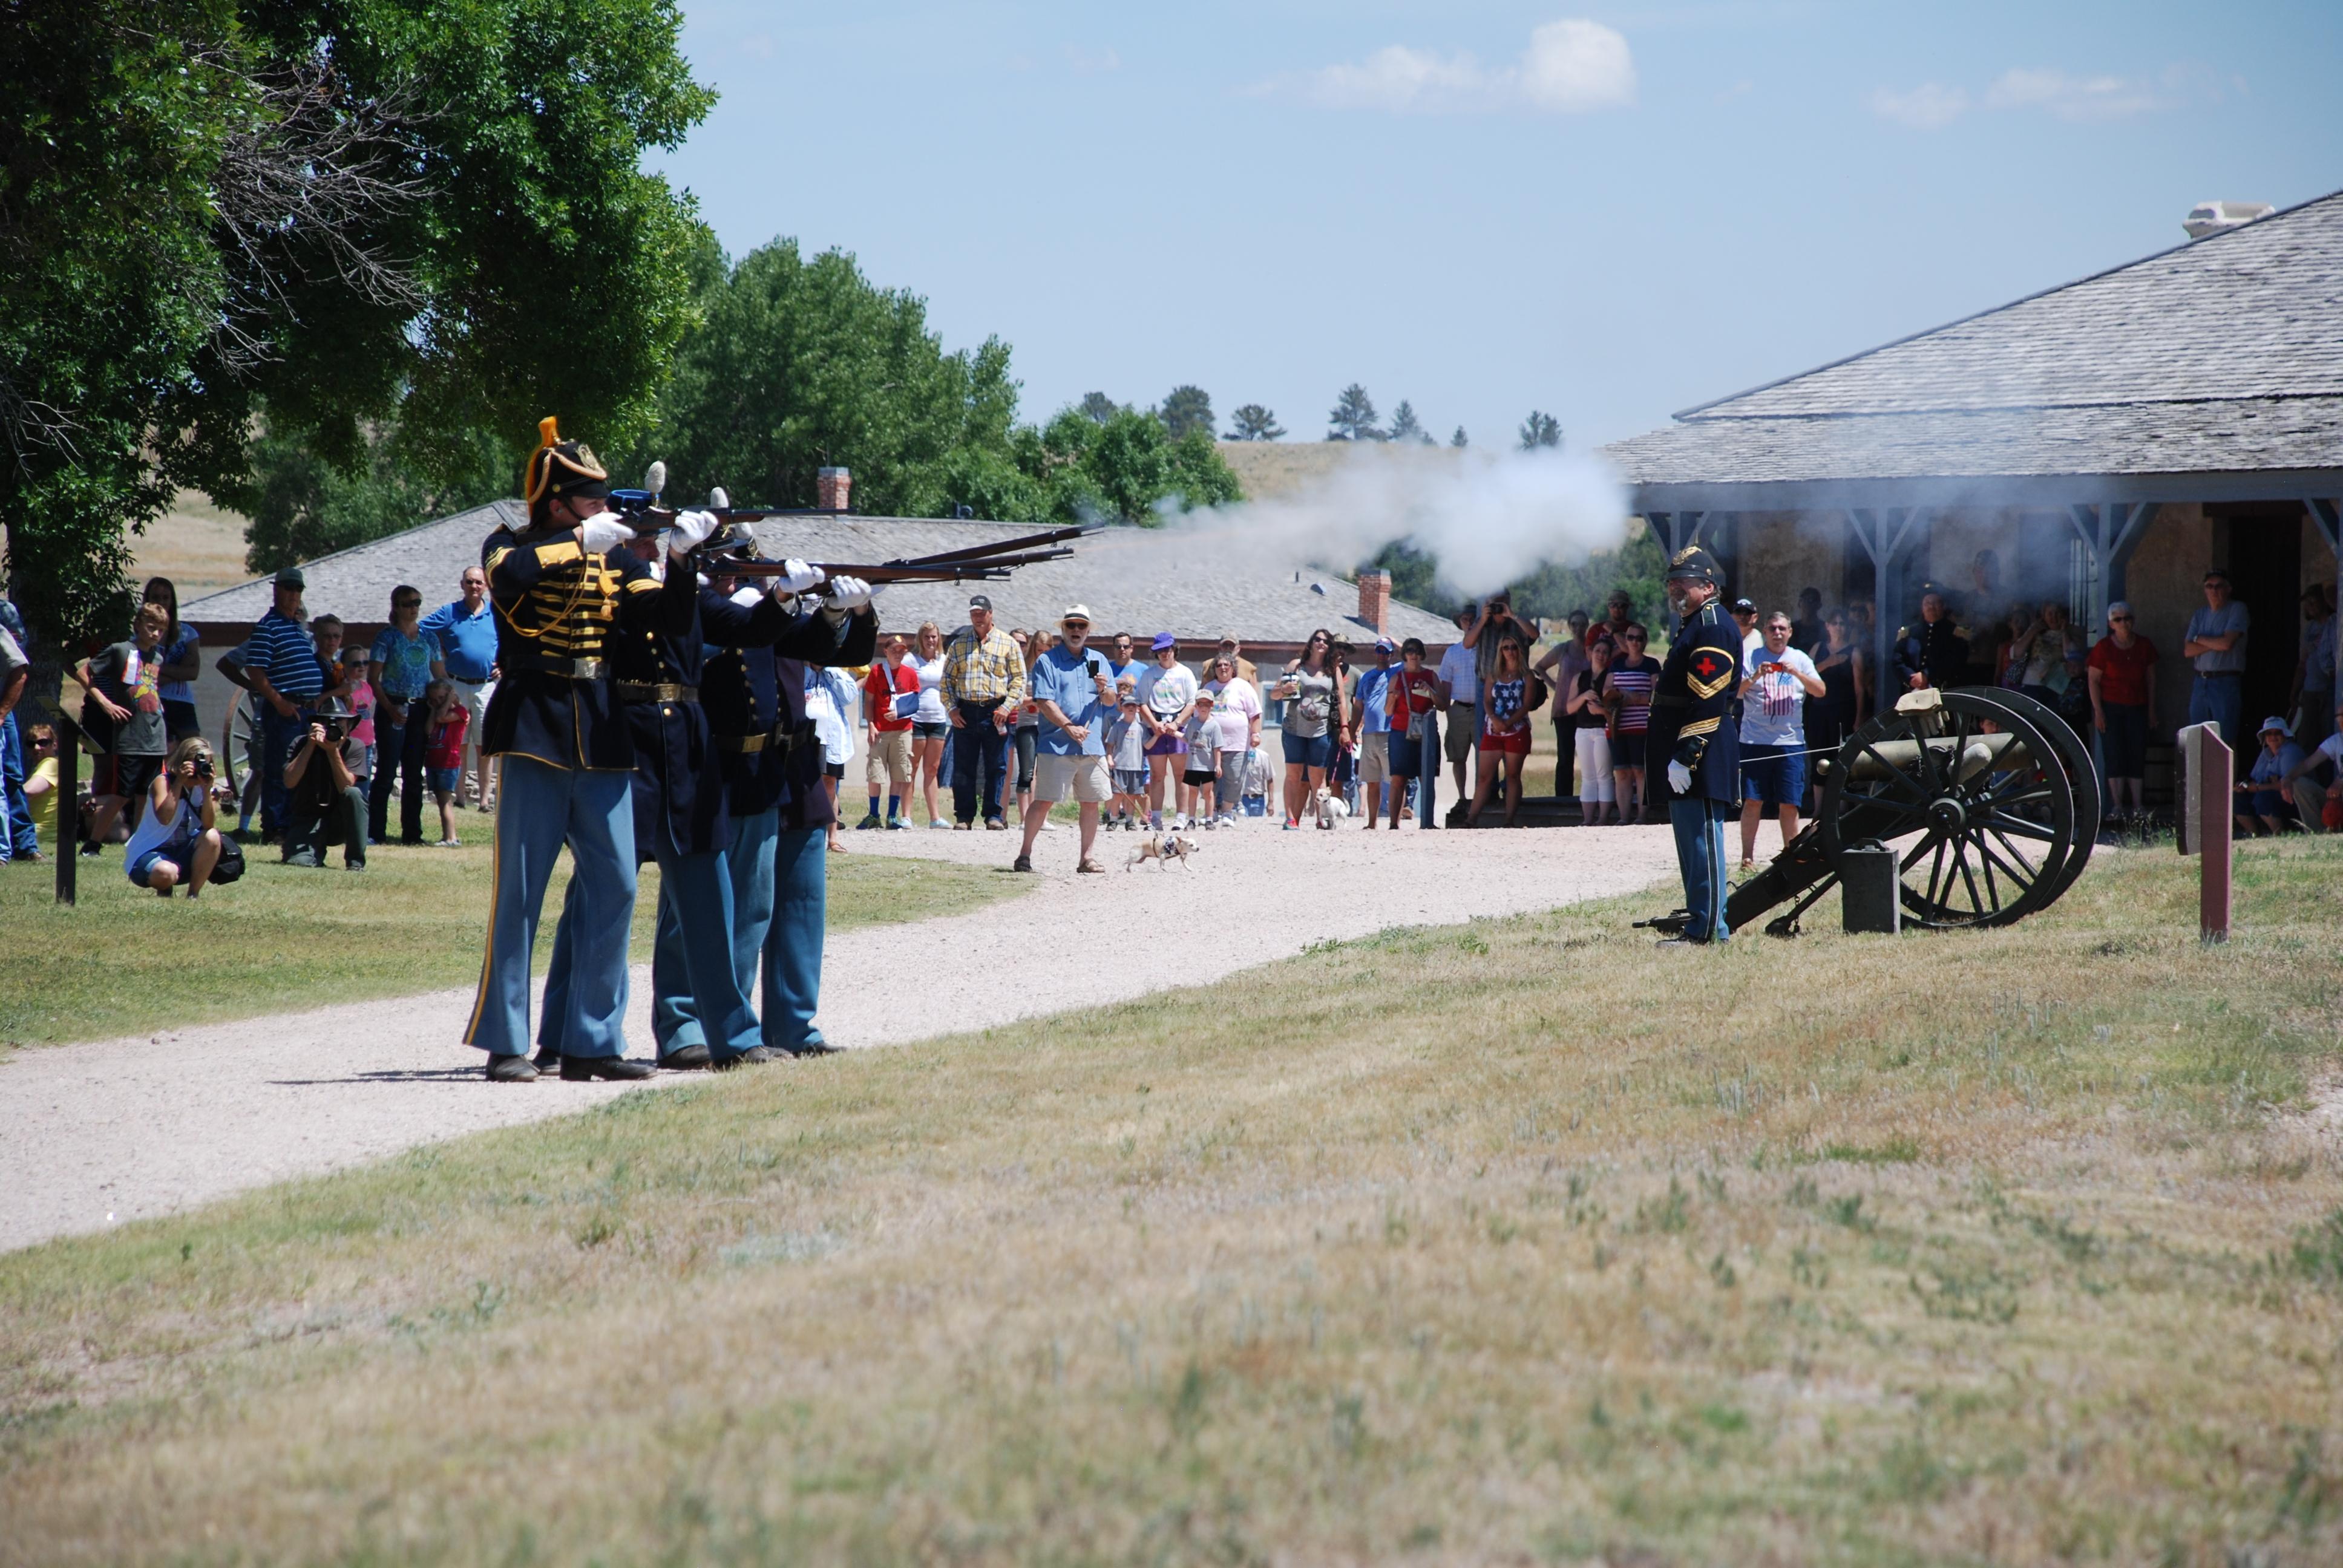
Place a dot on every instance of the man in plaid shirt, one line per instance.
(983, 687)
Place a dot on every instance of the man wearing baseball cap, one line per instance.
(1694, 726)
(1372, 697)
(1074, 693)
(983, 687)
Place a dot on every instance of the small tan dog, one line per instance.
(1163, 848)
(1330, 807)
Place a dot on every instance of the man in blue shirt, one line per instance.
(463, 633)
(1372, 699)
(278, 664)
(2217, 643)
(1073, 685)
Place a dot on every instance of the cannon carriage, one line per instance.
(1989, 801)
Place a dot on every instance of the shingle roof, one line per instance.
(2221, 355)
(1131, 578)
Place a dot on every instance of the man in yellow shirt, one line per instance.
(983, 687)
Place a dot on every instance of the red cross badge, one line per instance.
(1706, 666)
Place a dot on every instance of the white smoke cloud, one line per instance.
(1491, 517)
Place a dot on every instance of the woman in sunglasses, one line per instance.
(1627, 688)
(2121, 674)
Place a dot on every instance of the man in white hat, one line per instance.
(1073, 687)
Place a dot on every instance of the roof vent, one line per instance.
(2216, 216)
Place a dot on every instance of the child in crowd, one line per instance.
(1201, 770)
(1260, 779)
(124, 712)
(443, 752)
(358, 692)
(1126, 753)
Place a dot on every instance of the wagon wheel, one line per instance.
(2075, 751)
(1975, 799)
(240, 740)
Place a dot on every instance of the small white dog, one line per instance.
(1163, 848)
(1330, 808)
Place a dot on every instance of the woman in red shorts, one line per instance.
(1505, 709)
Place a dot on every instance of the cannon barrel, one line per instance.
(1881, 759)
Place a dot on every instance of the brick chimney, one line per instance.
(1374, 598)
(831, 489)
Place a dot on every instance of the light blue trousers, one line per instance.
(540, 808)
(694, 975)
(778, 889)
(1700, 852)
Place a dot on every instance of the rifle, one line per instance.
(731, 549)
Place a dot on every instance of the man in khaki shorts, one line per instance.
(1072, 688)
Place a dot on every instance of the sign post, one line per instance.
(2203, 824)
(68, 849)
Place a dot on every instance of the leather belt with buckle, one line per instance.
(645, 692)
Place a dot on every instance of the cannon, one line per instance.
(1989, 800)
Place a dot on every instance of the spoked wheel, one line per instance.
(241, 743)
(1974, 798)
(2075, 751)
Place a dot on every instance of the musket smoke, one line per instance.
(1489, 517)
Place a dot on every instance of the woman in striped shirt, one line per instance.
(1627, 688)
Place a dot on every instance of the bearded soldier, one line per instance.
(772, 775)
(1694, 726)
(563, 592)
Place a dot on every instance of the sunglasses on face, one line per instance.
(1632, 638)
(2119, 617)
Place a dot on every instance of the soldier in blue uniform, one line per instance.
(778, 860)
(1695, 726)
(563, 593)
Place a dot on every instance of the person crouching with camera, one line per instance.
(324, 804)
(177, 841)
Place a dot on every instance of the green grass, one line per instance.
(1523, 1241)
(122, 961)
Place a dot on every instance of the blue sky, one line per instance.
(1608, 212)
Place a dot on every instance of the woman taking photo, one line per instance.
(1315, 723)
(1588, 725)
(177, 841)
(930, 724)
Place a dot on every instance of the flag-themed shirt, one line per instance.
(1773, 711)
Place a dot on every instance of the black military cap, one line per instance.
(560, 468)
(1694, 564)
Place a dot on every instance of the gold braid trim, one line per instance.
(1705, 726)
(1707, 690)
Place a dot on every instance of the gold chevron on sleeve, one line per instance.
(1705, 689)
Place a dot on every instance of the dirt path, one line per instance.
(121, 1129)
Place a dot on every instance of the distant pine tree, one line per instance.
(1458, 439)
(1540, 430)
(1187, 409)
(1353, 417)
(1404, 425)
(1255, 423)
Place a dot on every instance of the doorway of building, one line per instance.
(2264, 555)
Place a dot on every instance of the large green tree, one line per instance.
(317, 217)
(803, 362)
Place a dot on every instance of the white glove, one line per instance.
(1679, 777)
(690, 531)
(797, 577)
(845, 595)
(603, 533)
(747, 597)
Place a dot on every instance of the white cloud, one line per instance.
(2077, 98)
(1570, 67)
(1927, 108)
(1092, 62)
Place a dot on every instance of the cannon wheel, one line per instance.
(240, 741)
(2076, 752)
(1982, 850)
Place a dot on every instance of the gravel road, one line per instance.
(119, 1130)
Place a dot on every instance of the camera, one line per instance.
(202, 767)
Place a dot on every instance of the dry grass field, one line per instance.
(1512, 1242)
(197, 545)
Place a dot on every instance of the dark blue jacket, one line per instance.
(755, 697)
(1695, 711)
(556, 607)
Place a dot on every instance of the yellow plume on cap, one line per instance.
(548, 430)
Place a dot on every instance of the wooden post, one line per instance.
(68, 849)
(2203, 824)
